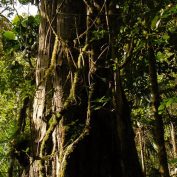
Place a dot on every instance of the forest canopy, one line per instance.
(88, 89)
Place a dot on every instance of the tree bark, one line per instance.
(77, 132)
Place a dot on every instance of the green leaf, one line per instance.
(173, 161)
(160, 56)
(9, 35)
(16, 19)
(24, 2)
(37, 19)
(166, 36)
(24, 23)
(161, 108)
(169, 102)
(97, 108)
(155, 22)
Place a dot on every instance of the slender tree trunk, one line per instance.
(128, 153)
(173, 139)
(158, 128)
(142, 148)
(129, 157)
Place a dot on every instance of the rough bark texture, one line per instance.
(158, 128)
(173, 139)
(79, 131)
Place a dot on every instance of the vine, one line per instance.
(52, 66)
(67, 106)
(70, 148)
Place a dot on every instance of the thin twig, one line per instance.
(85, 32)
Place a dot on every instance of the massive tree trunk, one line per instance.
(158, 129)
(79, 131)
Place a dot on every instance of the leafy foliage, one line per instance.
(139, 23)
(17, 59)
(24, 2)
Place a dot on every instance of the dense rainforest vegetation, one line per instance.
(88, 88)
